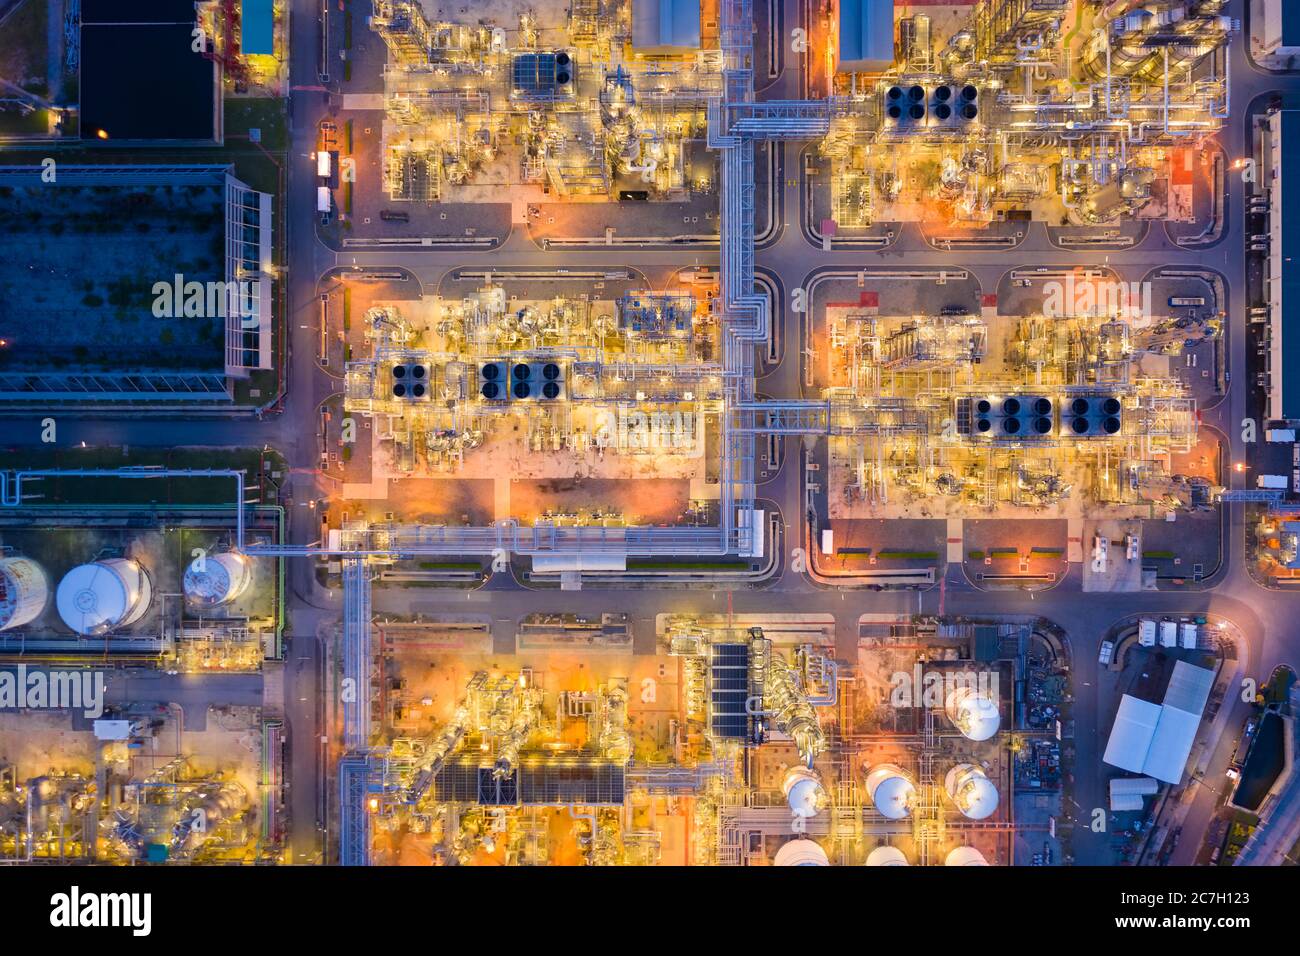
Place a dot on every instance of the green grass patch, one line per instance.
(1278, 688)
(975, 555)
(347, 309)
(1004, 553)
(909, 555)
(264, 113)
(263, 381)
(35, 123)
(134, 491)
(1052, 552)
(1158, 555)
(450, 566)
(24, 46)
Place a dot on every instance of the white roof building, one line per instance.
(1156, 739)
(1126, 793)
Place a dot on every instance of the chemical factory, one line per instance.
(620, 386)
(847, 433)
(1047, 110)
(93, 601)
(731, 745)
(975, 411)
(596, 102)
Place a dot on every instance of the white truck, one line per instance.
(1272, 481)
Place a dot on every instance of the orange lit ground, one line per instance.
(432, 501)
(654, 703)
(1202, 461)
(659, 501)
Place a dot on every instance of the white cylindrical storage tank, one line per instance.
(216, 579)
(104, 595)
(801, 853)
(803, 791)
(970, 788)
(965, 856)
(973, 712)
(891, 789)
(886, 856)
(24, 592)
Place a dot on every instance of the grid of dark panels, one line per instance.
(728, 690)
(594, 783)
(588, 782)
(534, 74)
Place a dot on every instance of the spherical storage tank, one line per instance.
(892, 791)
(216, 579)
(803, 792)
(104, 595)
(965, 856)
(886, 856)
(973, 712)
(24, 592)
(801, 853)
(975, 795)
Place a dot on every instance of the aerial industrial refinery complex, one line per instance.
(649, 433)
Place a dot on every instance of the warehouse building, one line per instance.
(1156, 739)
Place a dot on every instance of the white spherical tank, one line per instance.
(24, 592)
(975, 795)
(891, 789)
(801, 853)
(216, 579)
(803, 791)
(973, 712)
(104, 595)
(965, 856)
(886, 856)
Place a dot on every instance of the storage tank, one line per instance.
(98, 597)
(886, 856)
(965, 856)
(216, 579)
(975, 795)
(973, 712)
(891, 789)
(801, 853)
(24, 592)
(803, 791)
